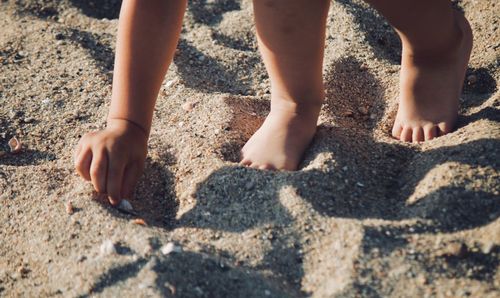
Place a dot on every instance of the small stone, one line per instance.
(69, 208)
(20, 55)
(487, 247)
(28, 119)
(267, 293)
(471, 79)
(170, 248)
(180, 124)
(107, 248)
(23, 271)
(170, 287)
(59, 36)
(125, 205)
(139, 221)
(198, 291)
(46, 101)
(454, 249)
(363, 110)
(188, 106)
(421, 280)
(360, 184)
(15, 145)
(249, 185)
(14, 114)
(347, 114)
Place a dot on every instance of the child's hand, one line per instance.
(113, 158)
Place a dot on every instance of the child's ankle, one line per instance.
(306, 103)
(447, 49)
(306, 107)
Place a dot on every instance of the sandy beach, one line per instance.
(364, 216)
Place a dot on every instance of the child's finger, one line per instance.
(114, 180)
(130, 177)
(82, 163)
(98, 169)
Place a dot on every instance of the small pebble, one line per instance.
(421, 280)
(125, 205)
(188, 106)
(249, 185)
(14, 114)
(472, 79)
(107, 248)
(59, 36)
(28, 119)
(198, 291)
(69, 208)
(363, 110)
(139, 221)
(486, 248)
(170, 248)
(23, 271)
(15, 145)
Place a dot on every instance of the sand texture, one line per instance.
(365, 216)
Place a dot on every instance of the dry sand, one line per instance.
(365, 216)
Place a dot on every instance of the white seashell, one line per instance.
(171, 83)
(188, 106)
(170, 248)
(107, 248)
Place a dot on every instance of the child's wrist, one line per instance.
(114, 120)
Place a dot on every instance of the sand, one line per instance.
(364, 216)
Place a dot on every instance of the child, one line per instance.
(436, 40)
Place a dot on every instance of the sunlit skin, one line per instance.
(291, 33)
(436, 47)
(113, 158)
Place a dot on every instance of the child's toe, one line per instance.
(267, 166)
(430, 131)
(396, 131)
(406, 134)
(443, 128)
(245, 162)
(418, 134)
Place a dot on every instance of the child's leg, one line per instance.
(291, 40)
(437, 42)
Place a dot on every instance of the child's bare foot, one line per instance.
(430, 87)
(291, 37)
(282, 139)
